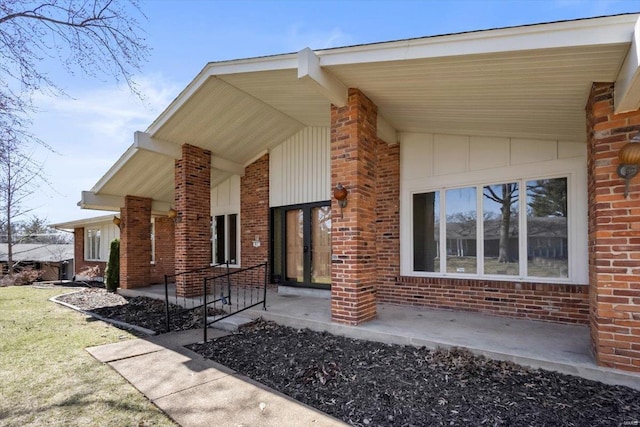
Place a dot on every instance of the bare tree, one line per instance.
(507, 197)
(98, 38)
(20, 175)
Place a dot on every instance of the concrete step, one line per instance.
(306, 292)
(231, 323)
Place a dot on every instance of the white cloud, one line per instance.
(89, 132)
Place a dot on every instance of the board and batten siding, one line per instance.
(300, 168)
(430, 162)
(225, 197)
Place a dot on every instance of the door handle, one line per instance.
(306, 249)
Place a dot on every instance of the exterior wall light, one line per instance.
(172, 214)
(340, 194)
(118, 222)
(629, 157)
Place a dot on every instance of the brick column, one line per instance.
(193, 224)
(614, 236)
(135, 242)
(353, 233)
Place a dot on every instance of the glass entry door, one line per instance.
(302, 245)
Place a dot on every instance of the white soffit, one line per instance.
(533, 94)
(231, 123)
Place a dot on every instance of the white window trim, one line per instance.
(87, 247)
(153, 241)
(574, 169)
(226, 214)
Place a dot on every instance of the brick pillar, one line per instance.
(254, 212)
(353, 233)
(135, 242)
(614, 236)
(193, 224)
(78, 249)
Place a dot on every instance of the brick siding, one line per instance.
(254, 212)
(80, 264)
(614, 235)
(135, 242)
(165, 249)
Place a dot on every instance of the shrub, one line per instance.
(24, 277)
(112, 275)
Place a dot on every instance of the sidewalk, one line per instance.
(195, 391)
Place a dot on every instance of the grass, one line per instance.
(49, 379)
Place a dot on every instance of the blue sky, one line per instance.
(94, 125)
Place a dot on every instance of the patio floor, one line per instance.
(546, 345)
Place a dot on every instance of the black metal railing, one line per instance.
(187, 304)
(234, 292)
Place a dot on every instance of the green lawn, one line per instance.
(46, 376)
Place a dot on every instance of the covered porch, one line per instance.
(404, 144)
(552, 346)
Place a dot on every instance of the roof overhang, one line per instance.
(530, 82)
(70, 225)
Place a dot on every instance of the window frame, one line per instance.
(88, 246)
(227, 239)
(573, 169)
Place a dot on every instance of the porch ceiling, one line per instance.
(528, 82)
(535, 94)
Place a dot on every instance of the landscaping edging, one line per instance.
(101, 318)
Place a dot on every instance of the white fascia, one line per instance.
(110, 202)
(627, 85)
(70, 225)
(585, 32)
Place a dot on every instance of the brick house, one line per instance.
(480, 172)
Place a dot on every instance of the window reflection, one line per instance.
(461, 230)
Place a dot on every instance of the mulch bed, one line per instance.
(146, 312)
(372, 384)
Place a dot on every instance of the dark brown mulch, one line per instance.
(371, 384)
(146, 312)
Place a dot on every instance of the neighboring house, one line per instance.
(247, 163)
(91, 242)
(54, 260)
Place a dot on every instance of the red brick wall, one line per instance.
(135, 242)
(78, 252)
(254, 212)
(353, 234)
(387, 218)
(614, 236)
(193, 224)
(536, 301)
(165, 249)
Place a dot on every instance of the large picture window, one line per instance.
(516, 228)
(225, 239)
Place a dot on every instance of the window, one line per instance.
(225, 239)
(494, 230)
(92, 244)
(153, 240)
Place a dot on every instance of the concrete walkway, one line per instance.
(195, 391)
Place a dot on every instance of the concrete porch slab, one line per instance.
(537, 344)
